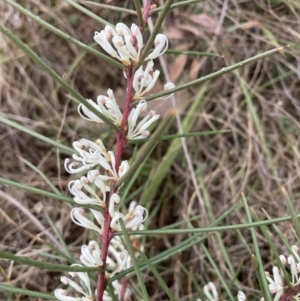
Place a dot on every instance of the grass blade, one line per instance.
(64, 149)
(88, 13)
(43, 176)
(54, 75)
(64, 35)
(214, 74)
(257, 257)
(175, 136)
(17, 290)
(157, 275)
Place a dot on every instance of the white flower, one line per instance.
(276, 285)
(106, 106)
(90, 255)
(114, 199)
(94, 176)
(86, 114)
(144, 81)
(161, 45)
(118, 258)
(241, 296)
(79, 219)
(121, 259)
(211, 292)
(133, 220)
(136, 217)
(168, 86)
(128, 43)
(90, 155)
(123, 168)
(294, 261)
(76, 187)
(140, 131)
(61, 294)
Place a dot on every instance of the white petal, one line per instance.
(134, 114)
(72, 283)
(61, 295)
(137, 217)
(241, 296)
(80, 220)
(161, 45)
(84, 278)
(122, 29)
(101, 39)
(123, 168)
(114, 224)
(139, 37)
(99, 217)
(89, 115)
(114, 199)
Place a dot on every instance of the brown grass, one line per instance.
(230, 163)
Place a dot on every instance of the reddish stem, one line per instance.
(146, 12)
(121, 144)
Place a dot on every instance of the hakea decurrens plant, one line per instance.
(104, 168)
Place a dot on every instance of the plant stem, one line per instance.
(156, 28)
(121, 144)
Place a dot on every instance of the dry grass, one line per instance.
(226, 165)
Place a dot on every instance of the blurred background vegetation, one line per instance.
(258, 104)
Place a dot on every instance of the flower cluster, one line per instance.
(92, 189)
(117, 261)
(126, 44)
(277, 285)
(108, 107)
(102, 169)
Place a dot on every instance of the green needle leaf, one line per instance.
(175, 136)
(213, 75)
(17, 290)
(64, 35)
(258, 260)
(134, 261)
(54, 75)
(88, 12)
(65, 149)
(44, 193)
(46, 265)
(157, 275)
